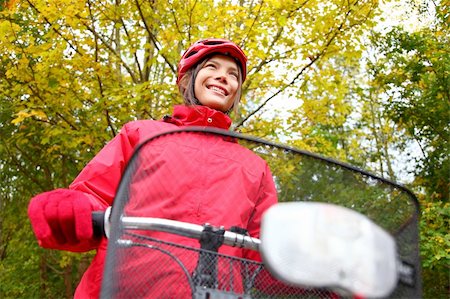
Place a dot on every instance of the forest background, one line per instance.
(324, 76)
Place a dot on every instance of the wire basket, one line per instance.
(151, 265)
(168, 270)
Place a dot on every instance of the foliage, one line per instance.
(435, 247)
(302, 177)
(73, 72)
(435, 221)
(415, 74)
(410, 83)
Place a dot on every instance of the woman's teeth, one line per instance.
(219, 90)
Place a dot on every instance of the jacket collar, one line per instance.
(198, 116)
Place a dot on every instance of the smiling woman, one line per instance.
(207, 184)
(221, 59)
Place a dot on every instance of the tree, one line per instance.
(72, 72)
(411, 71)
(415, 76)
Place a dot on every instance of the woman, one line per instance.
(228, 186)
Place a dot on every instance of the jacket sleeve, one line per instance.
(92, 190)
(101, 176)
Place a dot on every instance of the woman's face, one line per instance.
(217, 83)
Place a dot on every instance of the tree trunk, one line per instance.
(68, 281)
(43, 269)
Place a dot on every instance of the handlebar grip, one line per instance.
(98, 224)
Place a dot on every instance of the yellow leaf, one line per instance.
(23, 114)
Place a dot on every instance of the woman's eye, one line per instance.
(210, 65)
(235, 75)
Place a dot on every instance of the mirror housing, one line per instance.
(323, 245)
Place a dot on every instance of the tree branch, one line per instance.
(242, 43)
(136, 60)
(111, 49)
(152, 37)
(99, 80)
(56, 30)
(25, 173)
(313, 59)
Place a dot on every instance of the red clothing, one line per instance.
(232, 187)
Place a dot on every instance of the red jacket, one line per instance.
(232, 189)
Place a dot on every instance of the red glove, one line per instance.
(62, 219)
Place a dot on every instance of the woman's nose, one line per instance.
(221, 77)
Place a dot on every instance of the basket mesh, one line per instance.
(142, 265)
(171, 273)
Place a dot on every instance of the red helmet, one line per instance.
(202, 48)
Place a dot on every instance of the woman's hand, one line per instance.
(62, 219)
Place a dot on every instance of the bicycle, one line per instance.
(357, 236)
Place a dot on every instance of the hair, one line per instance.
(187, 85)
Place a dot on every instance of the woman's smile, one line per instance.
(218, 89)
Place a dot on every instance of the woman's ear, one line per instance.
(183, 85)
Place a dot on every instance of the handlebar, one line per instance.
(98, 224)
(101, 226)
(334, 240)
